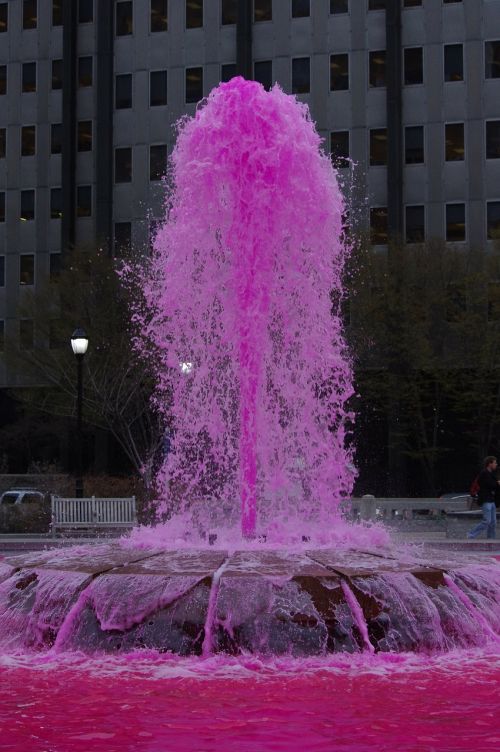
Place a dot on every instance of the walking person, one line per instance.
(488, 487)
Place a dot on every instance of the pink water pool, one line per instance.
(72, 704)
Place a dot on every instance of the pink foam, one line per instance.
(347, 704)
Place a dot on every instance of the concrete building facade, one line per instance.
(90, 90)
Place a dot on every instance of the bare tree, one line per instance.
(118, 383)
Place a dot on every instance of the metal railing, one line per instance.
(371, 508)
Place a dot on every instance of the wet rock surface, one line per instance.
(111, 598)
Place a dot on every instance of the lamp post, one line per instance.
(79, 344)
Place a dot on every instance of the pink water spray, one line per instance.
(243, 295)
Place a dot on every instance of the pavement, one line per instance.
(439, 541)
(436, 540)
(18, 543)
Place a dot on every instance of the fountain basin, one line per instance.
(113, 598)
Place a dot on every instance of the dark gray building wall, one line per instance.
(432, 104)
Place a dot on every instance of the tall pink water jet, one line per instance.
(243, 295)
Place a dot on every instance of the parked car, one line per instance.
(17, 496)
(458, 496)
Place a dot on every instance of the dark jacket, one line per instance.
(497, 497)
(487, 487)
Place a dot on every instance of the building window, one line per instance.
(412, 3)
(29, 78)
(2, 206)
(123, 91)
(454, 142)
(493, 301)
(28, 140)
(339, 148)
(2, 271)
(27, 205)
(54, 266)
(378, 147)
(159, 15)
(413, 66)
(26, 334)
(194, 14)
(3, 79)
(339, 6)
(3, 142)
(493, 220)
(29, 14)
(301, 8)
(194, 84)
(85, 135)
(123, 165)
(85, 11)
(154, 226)
(84, 201)
(229, 12)
(453, 62)
(57, 73)
(57, 340)
(228, 71)
(492, 59)
(263, 10)
(56, 138)
(27, 269)
(124, 19)
(57, 12)
(492, 139)
(157, 161)
(415, 224)
(455, 223)
(376, 4)
(456, 302)
(378, 225)
(85, 72)
(263, 73)
(414, 144)
(158, 88)
(301, 75)
(339, 72)
(123, 238)
(4, 17)
(55, 203)
(377, 68)
(447, 2)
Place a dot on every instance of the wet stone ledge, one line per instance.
(111, 598)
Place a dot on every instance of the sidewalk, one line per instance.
(10, 543)
(439, 540)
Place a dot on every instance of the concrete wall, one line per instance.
(432, 104)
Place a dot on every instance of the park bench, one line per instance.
(92, 513)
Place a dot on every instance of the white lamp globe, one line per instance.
(79, 342)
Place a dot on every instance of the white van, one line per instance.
(21, 496)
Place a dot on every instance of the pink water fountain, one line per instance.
(250, 555)
(243, 295)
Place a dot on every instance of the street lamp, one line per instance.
(79, 344)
